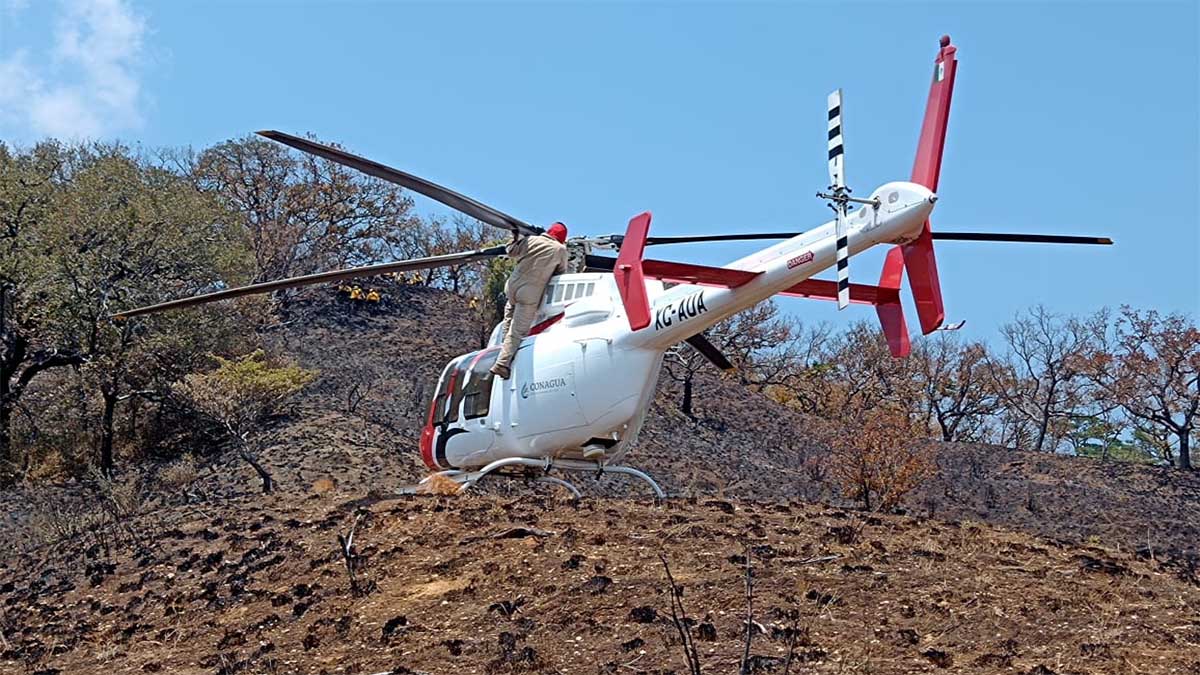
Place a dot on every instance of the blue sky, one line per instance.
(1076, 118)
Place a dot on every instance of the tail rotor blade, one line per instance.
(837, 181)
(837, 169)
(843, 259)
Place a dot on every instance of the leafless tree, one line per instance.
(959, 396)
(1149, 365)
(1036, 379)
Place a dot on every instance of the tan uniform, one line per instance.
(538, 258)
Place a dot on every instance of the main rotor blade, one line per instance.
(476, 210)
(1021, 238)
(944, 236)
(708, 350)
(651, 241)
(321, 277)
(599, 263)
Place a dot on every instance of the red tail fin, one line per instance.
(918, 255)
(891, 314)
(928, 163)
(631, 282)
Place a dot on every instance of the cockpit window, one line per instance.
(468, 385)
(477, 389)
(437, 407)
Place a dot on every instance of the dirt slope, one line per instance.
(480, 584)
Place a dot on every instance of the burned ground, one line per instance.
(1006, 561)
(495, 584)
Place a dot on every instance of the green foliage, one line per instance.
(494, 279)
(241, 393)
(1098, 438)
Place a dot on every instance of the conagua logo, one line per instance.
(542, 386)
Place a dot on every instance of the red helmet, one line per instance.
(559, 232)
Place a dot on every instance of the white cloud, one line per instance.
(87, 84)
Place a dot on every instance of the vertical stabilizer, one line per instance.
(631, 281)
(918, 255)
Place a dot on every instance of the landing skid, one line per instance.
(544, 466)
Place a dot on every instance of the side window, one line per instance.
(570, 292)
(591, 288)
(558, 293)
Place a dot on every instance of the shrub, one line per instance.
(878, 459)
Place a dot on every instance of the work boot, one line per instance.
(501, 371)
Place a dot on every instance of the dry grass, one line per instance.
(440, 485)
(180, 474)
(323, 486)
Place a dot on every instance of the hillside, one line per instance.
(741, 444)
(1006, 561)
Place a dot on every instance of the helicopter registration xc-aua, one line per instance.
(584, 377)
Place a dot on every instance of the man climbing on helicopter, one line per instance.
(537, 259)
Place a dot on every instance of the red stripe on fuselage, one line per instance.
(546, 324)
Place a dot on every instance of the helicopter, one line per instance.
(584, 377)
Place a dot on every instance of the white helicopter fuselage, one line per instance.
(584, 379)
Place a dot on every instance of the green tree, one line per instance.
(29, 346)
(241, 394)
(92, 230)
(146, 234)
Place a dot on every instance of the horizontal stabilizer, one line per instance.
(885, 298)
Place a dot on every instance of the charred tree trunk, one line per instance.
(268, 483)
(109, 394)
(9, 358)
(686, 404)
(1043, 428)
(5, 429)
(1185, 451)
